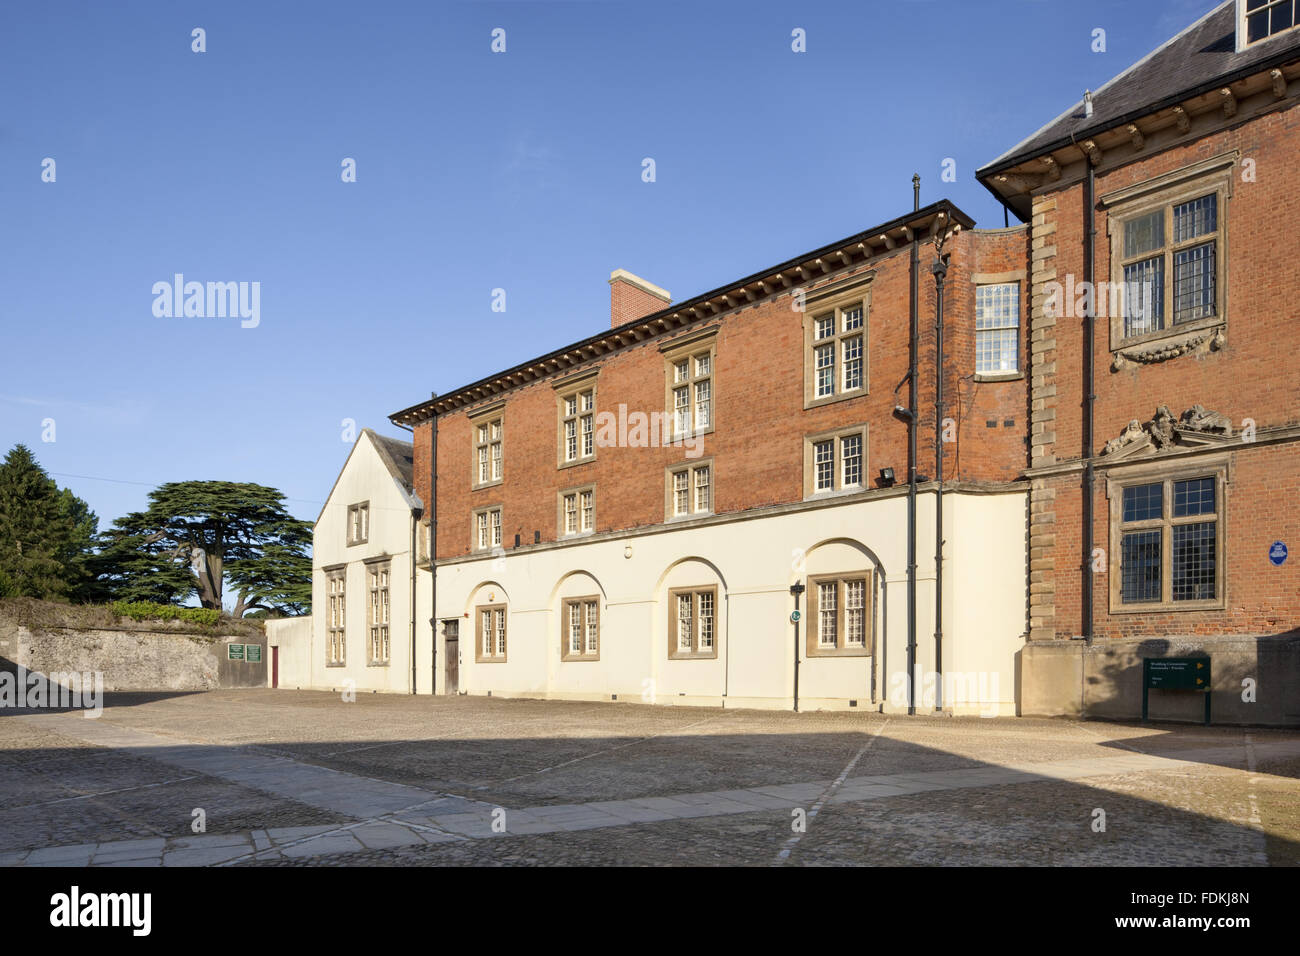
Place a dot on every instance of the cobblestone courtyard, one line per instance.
(291, 778)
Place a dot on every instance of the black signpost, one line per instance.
(1176, 673)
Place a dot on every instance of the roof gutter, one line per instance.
(1280, 59)
(426, 409)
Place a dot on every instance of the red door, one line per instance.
(275, 667)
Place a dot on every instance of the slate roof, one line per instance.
(1202, 57)
(399, 456)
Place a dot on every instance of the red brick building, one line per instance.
(766, 409)
(640, 514)
(1163, 457)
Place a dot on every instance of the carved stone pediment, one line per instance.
(1195, 427)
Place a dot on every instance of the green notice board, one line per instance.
(235, 652)
(1176, 673)
(253, 653)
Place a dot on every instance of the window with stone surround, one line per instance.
(380, 646)
(835, 461)
(839, 615)
(1168, 241)
(485, 529)
(1167, 536)
(488, 426)
(835, 344)
(689, 489)
(575, 397)
(693, 623)
(336, 617)
(580, 626)
(577, 511)
(490, 633)
(690, 393)
(1257, 20)
(358, 523)
(997, 328)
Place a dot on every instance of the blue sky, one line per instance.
(475, 171)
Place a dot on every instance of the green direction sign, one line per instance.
(253, 653)
(1178, 673)
(235, 652)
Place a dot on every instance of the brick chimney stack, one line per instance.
(631, 297)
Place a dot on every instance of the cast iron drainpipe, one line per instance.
(433, 551)
(913, 345)
(940, 270)
(1089, 396)
(415, 520)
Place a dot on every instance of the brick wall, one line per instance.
(757, 445)
(983, 452)
(1247, 378)
(628, 300)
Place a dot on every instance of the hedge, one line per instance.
(149, 611)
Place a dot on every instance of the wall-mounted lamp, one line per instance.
(886, 478)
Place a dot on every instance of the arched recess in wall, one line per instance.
(823, 552)
(689, 559)
(685, 579)
(569, 628)
(834, 556)
(576, 583)
(486, 592)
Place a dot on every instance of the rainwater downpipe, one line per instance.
(433, 551)
(913, 341)
(1089, 395)
(415, 520)
(940, 270)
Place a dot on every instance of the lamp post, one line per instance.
(796, 589)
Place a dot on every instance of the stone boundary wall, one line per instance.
(132, 657)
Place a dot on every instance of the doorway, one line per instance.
(451, 656)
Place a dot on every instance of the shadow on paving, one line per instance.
(54, 793)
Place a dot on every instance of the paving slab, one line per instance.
(208, 841)
(78, 855)
(378, 836)
(382, 800)
(323, 845)
(633, 813)
(204, 856)
(759, 801)
(591, 821)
